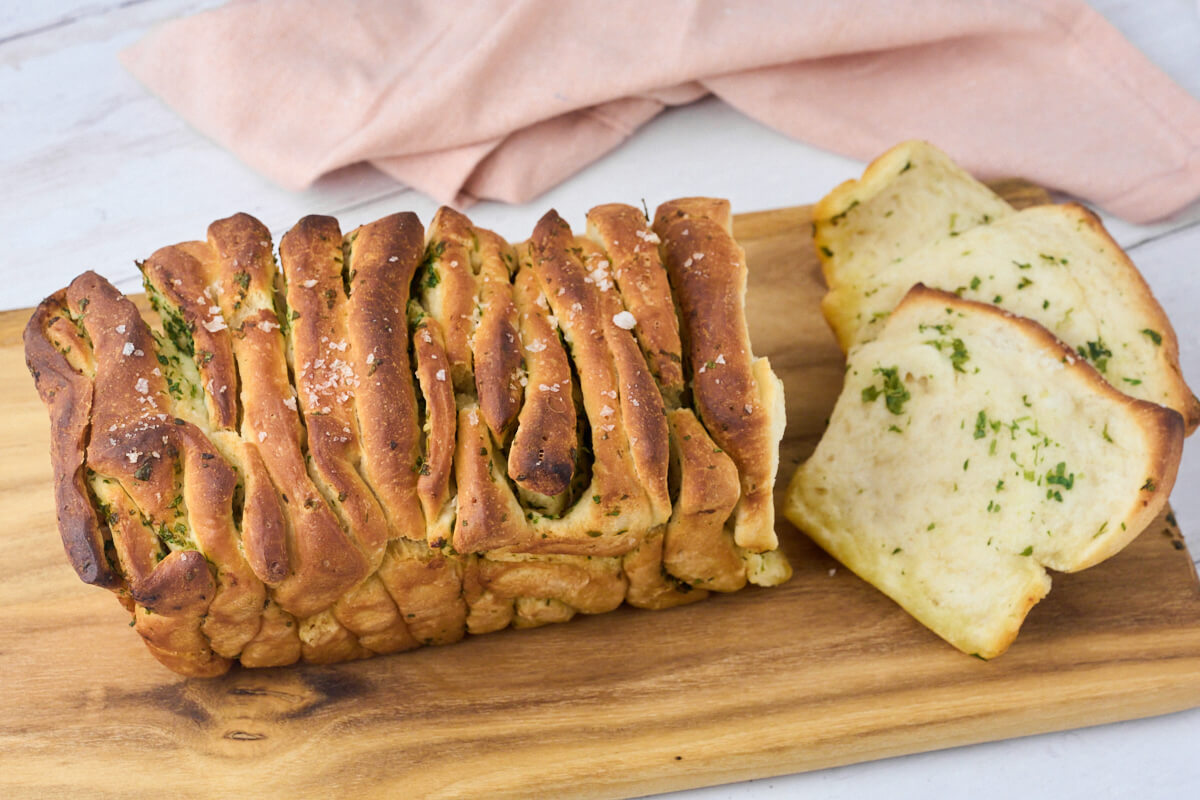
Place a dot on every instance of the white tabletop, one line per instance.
(95, 173)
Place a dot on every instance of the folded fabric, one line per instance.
(505, 99)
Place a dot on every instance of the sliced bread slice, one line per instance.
(969, 451)
(1055, 264)
(909, 196)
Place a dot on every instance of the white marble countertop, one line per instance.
(96, 172)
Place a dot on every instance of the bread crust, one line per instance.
(67, 396)
(707, 270)
(381, 259)
(636, 267)
(543, 454)
(383, 440)
(495, 347)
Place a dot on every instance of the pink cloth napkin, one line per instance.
(504, 99)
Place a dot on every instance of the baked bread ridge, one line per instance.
(737, 396)
(1052, 263)
(1048, 467)
(388, 438)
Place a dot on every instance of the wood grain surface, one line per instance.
(819, 672)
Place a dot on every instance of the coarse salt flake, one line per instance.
(142, 386)
(127, 349)
(648, 236)
(625, 320)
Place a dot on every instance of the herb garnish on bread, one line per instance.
(969, 452)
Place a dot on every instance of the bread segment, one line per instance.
(911, 195)
(635, 265)
(393, 438)
(737, 397)
(969, 452)
(380, 261)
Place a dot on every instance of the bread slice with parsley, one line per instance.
(909, 196)
(969, 452)
(1055, 264)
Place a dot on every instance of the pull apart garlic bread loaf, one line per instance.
(395, 437)
(969, 452)
(916, 217)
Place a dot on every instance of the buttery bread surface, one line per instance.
(916, 217)
(970, 452)
(393, 437)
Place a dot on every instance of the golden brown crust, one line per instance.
(649, 584)
(637, 268)
(67, 395)
(434, 466)
(171, 605)
(264, 531)
(697, 547)
(496, 348)
(707, 269)
(179, 278)
(642, 409)
(495, 589)
(324, 563)
(448, 289)
(165, 485)
(326, 381)
(427, 588)
(277, 643)
(488, 516)
(311, 255)
(382, 259)
(599, 363)
(368, 510)
(542, 457)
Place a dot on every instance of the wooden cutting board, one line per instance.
(819, 672)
